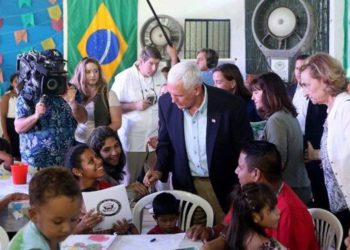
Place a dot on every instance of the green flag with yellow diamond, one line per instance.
(103, 29)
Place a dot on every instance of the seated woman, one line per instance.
(106, 144)
(87, 168)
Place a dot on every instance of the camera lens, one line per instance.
(52, 84)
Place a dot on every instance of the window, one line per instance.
(207, 33)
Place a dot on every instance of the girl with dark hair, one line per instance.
(228, 77)
(255, 209)
(106, 144)
(87, 168)
(283, 130)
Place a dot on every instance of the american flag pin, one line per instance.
(213, 120)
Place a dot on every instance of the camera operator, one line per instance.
(46, 120)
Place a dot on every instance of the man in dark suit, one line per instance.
(311, 118)
(201, 130)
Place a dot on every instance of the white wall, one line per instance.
(223, 9)
(336, 29)
(235, 11)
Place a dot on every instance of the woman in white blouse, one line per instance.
(102, 106)
(323, 81)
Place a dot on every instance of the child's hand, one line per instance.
(88, 221)
(123, 227)
(137, 187)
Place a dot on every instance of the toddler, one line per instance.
(51, 192)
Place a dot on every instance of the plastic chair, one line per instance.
(4, 239)
(329, 232)
(188, 203)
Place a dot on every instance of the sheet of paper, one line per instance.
(88, 241)
(111, 202)
(147, 242)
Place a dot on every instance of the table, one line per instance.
(162, 242)
(7, 187)
(132, 242)
(7, 220)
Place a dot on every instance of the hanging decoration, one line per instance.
(27, 25)
(22, 3)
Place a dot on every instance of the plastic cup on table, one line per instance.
(19, 173)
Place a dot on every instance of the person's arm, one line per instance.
(115, 111)
(4, 110)
(347, 241)
(24, 124)
(78, 111)
(151, 177)
(216, 244)
(200, 232)
(276, 132)
(132, 106)
(138, 188)
(171, 51)
(12, 197)
(123, 227)
(7, 159)
(311, 154)
(88, 221)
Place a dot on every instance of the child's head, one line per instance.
(6, 156)
(166, 211)
(84, 163)
(254, 206)
(51, 192)
(106, 144)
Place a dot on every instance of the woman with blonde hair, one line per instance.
(102, 106)
(323, 81)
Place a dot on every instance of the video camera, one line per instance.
(41, 73)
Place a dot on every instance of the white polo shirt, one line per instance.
(138, 126)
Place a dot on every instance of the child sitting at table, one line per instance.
(6, 158)
(166, 214)
(51, 191)
(255, 210)
(88, 170)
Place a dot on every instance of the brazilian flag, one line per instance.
(103, 29)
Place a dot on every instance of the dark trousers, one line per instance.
(344, 218)
(319, 191)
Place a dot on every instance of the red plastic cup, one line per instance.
(19, 173)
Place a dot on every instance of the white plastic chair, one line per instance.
(188, 203)
(329, 232)
(4, 239)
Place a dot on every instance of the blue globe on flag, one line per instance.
(103, 45)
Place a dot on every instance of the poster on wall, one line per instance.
(26, 25)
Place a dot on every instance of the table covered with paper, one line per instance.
(131, 242)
